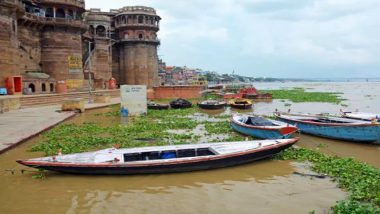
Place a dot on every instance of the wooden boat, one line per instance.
(334, 127)
(157, 106)
(220, 86)
(161, 159)
(232, 95)
(261, 127)
(180, 103)
(212, 104)
(240, 103)
(361, 116)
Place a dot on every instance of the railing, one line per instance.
(78, 3)
(136, 25)
(137, 9)
(139, 40)
(50, 20)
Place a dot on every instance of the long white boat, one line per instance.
(161, 159)
(361, 115)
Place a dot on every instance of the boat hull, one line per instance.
(247, 106)
(261, 133)
(180, 106)
(358, 133)
(210, 162)
(211, 107)
(158, 107)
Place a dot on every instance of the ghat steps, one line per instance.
(57, 99)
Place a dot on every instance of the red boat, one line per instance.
(248, 93)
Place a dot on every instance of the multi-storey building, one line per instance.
(47, 41)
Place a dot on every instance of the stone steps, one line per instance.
(57, 99)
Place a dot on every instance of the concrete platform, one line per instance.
(19, 125)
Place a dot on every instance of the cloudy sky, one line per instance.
(270, 38)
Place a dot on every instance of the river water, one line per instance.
(267, 186)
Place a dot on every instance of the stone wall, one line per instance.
(177, 92)
(9, 57)
(101, 60)
(57, 44)
(29, 49)
(9, 104)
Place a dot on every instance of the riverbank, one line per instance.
(20, 125)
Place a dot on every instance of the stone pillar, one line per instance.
(57, 46)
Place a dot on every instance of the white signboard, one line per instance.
(133, 99)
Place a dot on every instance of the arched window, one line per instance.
(70, 14)
(141, 19)
(101, 31)
(60, 13)
(43, 86)
(49, 12)
(51, 87)
(32, 88)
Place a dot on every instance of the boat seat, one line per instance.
(204, 152)
(185, 153)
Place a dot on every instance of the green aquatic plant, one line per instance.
(73, 138)
(40, 175)
(218, 127)
(298, 95)
(355, 207)
(360, 179)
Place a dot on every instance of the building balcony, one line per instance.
(54, 21)
(76, 3)
(138, 26)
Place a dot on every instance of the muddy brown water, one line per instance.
(267, 186)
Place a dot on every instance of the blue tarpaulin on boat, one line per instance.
(168, 155)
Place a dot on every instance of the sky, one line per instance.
(268, 38)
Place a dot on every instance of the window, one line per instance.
(43, 86)
(140, 36)
(141, 19)
(60, 13)
(49, 12)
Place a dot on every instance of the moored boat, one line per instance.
(334, 127)
(261, 127)
(212, 104)
(219, 86)
(240, 103)
(157, 106)
(180, 103)
(361, 115)
(161, 159)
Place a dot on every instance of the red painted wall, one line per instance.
(177, 92)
